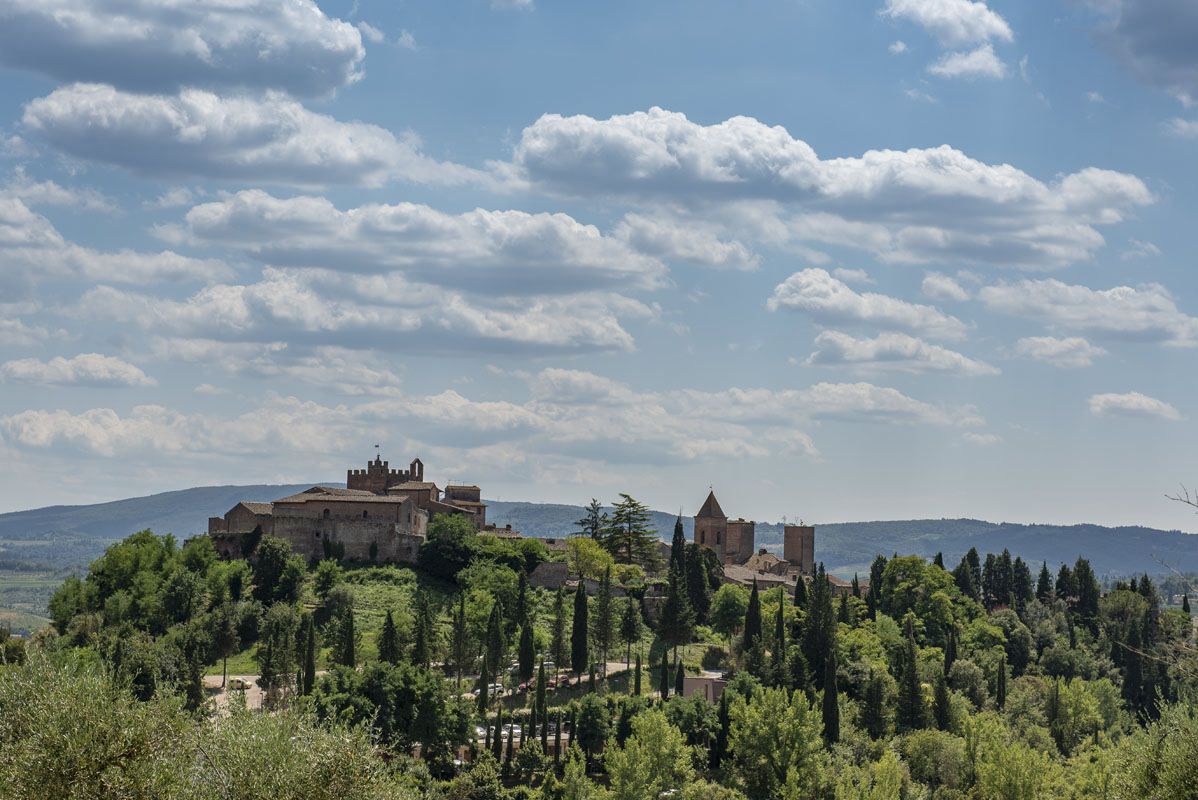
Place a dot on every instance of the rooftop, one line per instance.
(711, 507)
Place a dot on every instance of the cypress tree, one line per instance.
(484, 694)
(1044, 584)
(873, 706)
(557, 737)
(578, 633)
(856, 586)
(843, 612)
(389, 651)
(941, 707)
(460, 642)
(752, 619)
(422, 644)
(1087, 593)
(631, 627)
(819, 626)
(800, 593)
(573, 720)
(677, 618)
(309, 680)
(591, 680)
(603, 624)
(349, 652)
(497, 740)
(664, 677)
(755, 662)
(678, 547)
(507, 761)
(496, 643)
(636, 677)
(1000, 689)
(1066, 584)
(724, 720)
(831, 701)
(522, 604)
(911, 712)
(950, 649)
(540, 712)
(780, 622)
(797, 668)
(939, 560)
(527, 652)
(975, 569)
(698, 588)
(679, 680)
(1185, 602)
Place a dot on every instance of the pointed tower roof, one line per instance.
(711, 507)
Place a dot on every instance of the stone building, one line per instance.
(732, 540)
(381, 512)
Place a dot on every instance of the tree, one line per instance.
(327, 575)
(594, 522)
(663, 680)
(679, 680)
(654, 759)
(698, 588)
(603, 623)
(389, 648)
(831, 701)
(628, 536)
(719, 748)
(448, 547)
(636, 677)
(496, 654)
(345, 650)
(594, 723)
(578, 635)
(225, 638)
(1066, 587)
(540, 709)
(275, 574)
(950, 649)
(678, 547)
(557, 640)
(460, 641)
(728, 609)
(677, 620)
(1044, 584)
(522, 604)
(586, 557)
(526, 653)
(875, 719)
(775, 743)
(941, 704)
(819, 627)
(631, 626)
(425, 632)
(309, 674)
(1000, 683)
(753, 619)
(278, 649)
(911, 711)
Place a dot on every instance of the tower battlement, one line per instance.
(378, 475)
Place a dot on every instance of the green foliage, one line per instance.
(655, 758)
(628, 535)
(776, 746)
(578, 633)
(587, 558)
(728, 608)
(327, 575)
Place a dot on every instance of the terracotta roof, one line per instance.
(258, 508)
(456, 502)
(336, 490)
(711, 507)
(318, 499)
(410, 485)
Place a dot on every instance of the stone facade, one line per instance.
(798, 547)
(732, 540)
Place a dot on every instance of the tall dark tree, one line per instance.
(938, 560)
(594, 521)
(636, 677)
(631, 626)
(496, 655)
(1021, 583)
(1087, 593)
(459, 645)
(557, 638)
(842, 612)
(1044, 584)
(309, 672)
(911, 712)
(975, 568)
(1000, 684)
(873, 598)
(389, 647)
(990, 581)
(941, 705)
(523, 605)
(856, 586)
(578, 633)
(719, 748)
(678, 546)
(347, 642)
(819, 626)
(950, 649)
(831, 705)
(1185, 602)
(540, 711)
(677, 621)
(1066, 585)
(698, 587)
(753, 619)
(526, 652)
(800, 593)
(679, 680)
(963, 578)
(873, 706)
(424, 633)
(797, 670)
(603, 622)
(663, 678)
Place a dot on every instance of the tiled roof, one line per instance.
(258, 508)
(711, 507)
(412, 485)
(337, 490)
(319, 499)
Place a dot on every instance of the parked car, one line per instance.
(237, 683)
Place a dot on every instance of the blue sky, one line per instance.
(840, 261)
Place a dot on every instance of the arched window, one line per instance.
(702, 537)
(363, 513)
(717, 537)
(326, 513)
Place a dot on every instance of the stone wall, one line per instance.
(798, 547)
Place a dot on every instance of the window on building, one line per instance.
(717, 538)
(326, 513)
(363, 513)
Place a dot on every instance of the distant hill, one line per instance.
(69, 537)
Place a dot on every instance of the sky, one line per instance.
(838, 261)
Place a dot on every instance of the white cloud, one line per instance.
(1132, 404)
(506, 253)
(384, 312)
(35, 193)
(34, 251)
(1096, 98)
(1182, 128)
(916, 206)
(163, 45)
(672, 239)
(978, 63)
(895, 352)
(852, 275)
(525, 5)
(828, 301)
(199, 134)
(371, 33)
(952, 22)
(897, 47)
(981, 439)
(1144, 313)
(15, 333)
(86, 369)
(922, 96)
(1070, 352)
(406, 40)
(1139, 249)
(942, 287)
(174, 197)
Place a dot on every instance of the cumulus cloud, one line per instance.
(952, 22)
(163, 45)
(1070, 352)
(1139, 249)
(918, 205)
(496, 252)
(942, 287)
(1132, 404)
(980, 62)
(981, 439)
(33, 250)
(897, 48)
(675, 240)
(895, 352)
(829, 301)
(271, 139)
(1146, 312)
(1154, 40)
(49, 193)
(372, 33)
(86, 369)
(14, 332)
(1182, 128)
(852, 275)
(387, 312)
